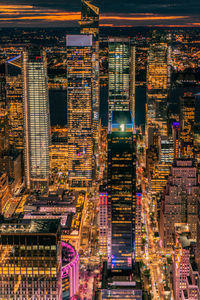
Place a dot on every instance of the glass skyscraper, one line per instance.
(187, 124)
(79, 118)
(15, 111)
(157, 88)
(36, 120)
(90, 25)
(121, 192)
(121, 69)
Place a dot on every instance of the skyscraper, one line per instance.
(90, 25)
(15, 111)
(121, 71)
(187, 122)
(180, 200)
(157, 88)
(36, 120)
(3, 110)
(79, 118)
(121, 192)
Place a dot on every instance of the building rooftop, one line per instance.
(121, 121)
(29, 226)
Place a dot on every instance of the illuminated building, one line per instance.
(70, 271)
(4, 192)
(187, 119)
(121, 191)
(138, 226)
(121, 71)
(31, 260)
(182, 264)
(125, 285)
(176, 137)
(180, 200)
(157, 89)
(59, 154)
(103, 224)
(15, 111)
(68, 206)
(166, 149)
(192, 290)
(90, 26)
(73, 229)
(36, 120)
(79, 92)
(161, 169)
(3, 110)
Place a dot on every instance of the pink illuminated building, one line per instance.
(70, 271)
(138, 226)
(185, 274)
(103, 224)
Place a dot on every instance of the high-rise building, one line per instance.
(36, 120)
(121, 191)
(59, 154)
(31, 260)
(90, 25)
(103, 223)
(176, 137)
(121, 71)
(166, 149)
(187, 122)
(157, 88)
(15, 111)
(79, 119)
(3, 110)
(180, 201)
(138, 226)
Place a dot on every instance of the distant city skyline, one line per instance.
(40, 13)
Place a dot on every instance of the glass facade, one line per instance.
(121, 68)
(157, 87)
(15, 111)
(79, 91)
(121, 195)
(187, 120)
(36, 120)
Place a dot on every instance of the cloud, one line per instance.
(28, 15)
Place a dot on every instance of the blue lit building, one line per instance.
(121, 191)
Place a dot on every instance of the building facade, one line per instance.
(103, 224)
(36, 120)
(121, 74)
(121, 191)
(180, 200)
(79, 75)
(187, 122)
(15, 111)
(157, 89)
(31, 260)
